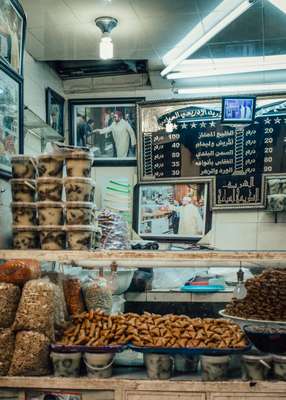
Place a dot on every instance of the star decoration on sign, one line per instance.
(194, 125)
(184, 125)
(277, 120)
(267, 121)
(175, 126)
(203, 124)
(212, 124)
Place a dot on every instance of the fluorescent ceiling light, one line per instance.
(206, 63)
(229, 70)
(281, 4)
(215, 22)
(268, 87)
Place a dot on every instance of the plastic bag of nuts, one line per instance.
(36, 308)
(97, 293)
(7, 344)
(73, 295)
(31, 355)
(9, 299)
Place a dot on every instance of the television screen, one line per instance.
(238, 109)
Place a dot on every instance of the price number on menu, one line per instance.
(268, 149)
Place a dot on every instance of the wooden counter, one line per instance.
(137, 389)
(129, 258)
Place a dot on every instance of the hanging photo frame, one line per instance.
(12, 34)
(108, 127)
(55, 105)
(11, 118)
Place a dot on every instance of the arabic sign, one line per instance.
(191, 142)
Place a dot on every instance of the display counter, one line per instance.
(121, 388)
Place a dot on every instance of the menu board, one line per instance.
(185, 141)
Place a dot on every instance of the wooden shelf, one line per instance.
(116, 383)
(131, 259)
(178, 297)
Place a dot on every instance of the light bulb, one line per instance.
(240, 291)
(106, 47)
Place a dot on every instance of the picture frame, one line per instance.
(108, 127)
(55, 107)
(12, 34)
(172, 211)
(11, 118)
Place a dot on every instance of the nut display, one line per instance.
(23, 190)
(50, 213)
(79, 164)
(36, 308)
(19, 272)
(50, 165)
(7, 344)
(95, 328)
(24, 214)
(73, 295)
(25, 237)
(9, 299)
(265, 299)
(23, 167)
(31, 355)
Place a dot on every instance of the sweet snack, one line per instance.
(23, 167)
(79, 189)
(50, 165)
(52, 237)
(23, 190)
(7, 345)
(25, 237)
(50, 213)
(79, 237)
(94, 328)
(19, 272)
(73, 295)
(79, 213)
(24, 214)
(49, 189)
(78, 164)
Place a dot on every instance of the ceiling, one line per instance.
(65, 29)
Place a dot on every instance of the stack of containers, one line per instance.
(24, 208)
(62, 224)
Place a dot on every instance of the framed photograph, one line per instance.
(172, 211)
(108, 127)
(12, 34)
(55, 105)
(11, 118)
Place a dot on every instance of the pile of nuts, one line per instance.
(265, 299)
(94, 328)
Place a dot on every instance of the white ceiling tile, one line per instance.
(157, 8)
(41, 13)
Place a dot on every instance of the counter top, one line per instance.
(158, 258)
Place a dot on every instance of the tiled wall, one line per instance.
(37, 76)
(249, 230)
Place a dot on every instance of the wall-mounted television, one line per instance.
(238, 109)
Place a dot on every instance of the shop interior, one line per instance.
(142, 199)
